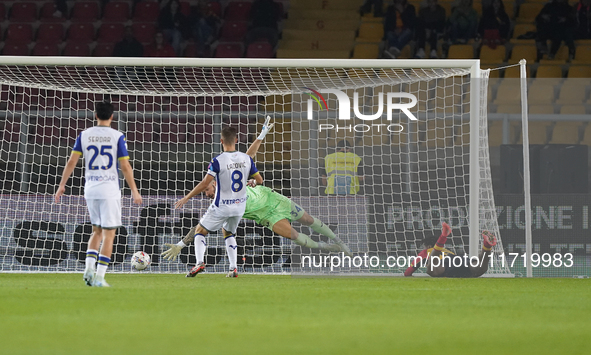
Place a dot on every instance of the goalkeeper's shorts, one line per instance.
(280, 207)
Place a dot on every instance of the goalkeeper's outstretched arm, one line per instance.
(254, 147)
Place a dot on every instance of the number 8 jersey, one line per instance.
(102, 147)
(231, 171)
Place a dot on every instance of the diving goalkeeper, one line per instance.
(275, 212)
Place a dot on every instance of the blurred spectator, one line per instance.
(399, 26)
(342, 168)
(172, 23)
(263, 22)
(463, 22)
(495, 24)
(204, 24)
(129, 46)
(159, 48)
(583, 18)
(430, 26)
(555, 22)
(378, 8)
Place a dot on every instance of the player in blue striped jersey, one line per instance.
(232, 171)
(104, 151)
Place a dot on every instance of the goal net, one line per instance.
(418, 130)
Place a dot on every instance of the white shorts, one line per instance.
(213, 220)
(105, 213)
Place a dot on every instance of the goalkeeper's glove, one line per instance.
(267, 126)
(172, 252)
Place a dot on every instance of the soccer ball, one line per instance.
(140, 260)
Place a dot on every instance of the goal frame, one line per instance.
(473, 65)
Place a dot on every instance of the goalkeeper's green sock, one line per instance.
(305, 241)
(319, 227)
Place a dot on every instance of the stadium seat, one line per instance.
(146, 11)
(103, 50)
(23, 12)
(200, 132)
(549, 71)
(47, 13)
(495, 133)
(75, 127)
(237, 11)
(509, 108)
(490, 55)
(116, 11)
(47, 131)
(144, 32)
(2, 12)
(50, 32)
(508, 93)
(461, 51)
(173, 132)
(19, 32)
(526, 52)
(366, 51)
(572, 93)
(565, 132)
(76, 49)
(540, 93)
(370, 32)
(139, 132)
(233, 31)
(46, 49)
(541, 109)
(528, 12)
(185, 8)
(259, 50)
(87, 11)
(538, 132)
(15, 48)
(228, 50)
(190, 50)
(579, 71)
(182, 103)
(573, 110)
(583, 54)
(110, 33)
(215, 7)
(11, 132)
(243, 103)
(81, 32)
(521, 29)
(515, 72)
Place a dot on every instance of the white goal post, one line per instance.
(172, 111)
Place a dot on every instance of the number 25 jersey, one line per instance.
(101, 148)
(231, 171)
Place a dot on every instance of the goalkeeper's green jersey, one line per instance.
(267, 207)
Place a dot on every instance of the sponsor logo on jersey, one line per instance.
(234, 201)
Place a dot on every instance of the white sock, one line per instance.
(91, 257)
(200, 247)
(103, 264)
(232, 250)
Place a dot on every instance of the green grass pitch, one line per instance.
(210, 314)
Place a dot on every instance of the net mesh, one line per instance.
(409, 181)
